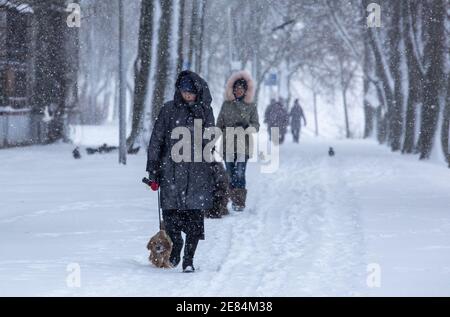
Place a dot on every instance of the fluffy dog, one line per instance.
(160, 247)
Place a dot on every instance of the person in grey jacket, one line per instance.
(186, 186)
(276, 116)
(296, 116)
(238, 111)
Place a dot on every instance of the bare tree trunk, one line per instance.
(387, 93)
(193, 40)
(316, 119)
(414, 78)
(396, 113)
(368, 119)
(50, 90)
(368, 72)
(381, 125)
(445, 133)
(344, 86)
(199, 58)
(434, 51)
(58, 77)
(40, 95)
(116, 96)
(163, 63)
(72, 66)
(347, 126)
(142, 70)
(368, 107)
(288, 84)
(180, 57)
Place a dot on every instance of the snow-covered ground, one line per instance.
(317, 226)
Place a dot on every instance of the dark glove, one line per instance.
(153, 177)
(151, 183)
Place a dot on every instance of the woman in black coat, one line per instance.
(186, 186)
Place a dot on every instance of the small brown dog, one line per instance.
(160, 247)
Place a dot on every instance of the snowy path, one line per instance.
(311, 228)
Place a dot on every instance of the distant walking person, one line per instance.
(267, 114)
(238, 110)
(296, 116)
(276, 116)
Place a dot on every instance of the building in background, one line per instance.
(38, 71)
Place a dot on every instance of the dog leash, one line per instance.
(146, 181)
(161, 227)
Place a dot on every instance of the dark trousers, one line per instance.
(191, 222)
(295, 133)
(236, 172)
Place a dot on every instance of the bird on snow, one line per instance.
(331, 152)
(76, 153)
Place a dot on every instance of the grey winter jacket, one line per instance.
(239, 113)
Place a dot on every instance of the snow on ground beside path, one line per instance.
(311, 228)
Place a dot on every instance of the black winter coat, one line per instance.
(184, 185)
(297, 115)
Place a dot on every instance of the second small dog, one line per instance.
(221, 191)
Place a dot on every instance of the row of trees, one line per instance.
(401, 65)
(211, 36)
(406, 64)
(181, 29)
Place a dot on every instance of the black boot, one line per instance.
(239, 198)
(175, 255)
(189, 251)
(171, 224)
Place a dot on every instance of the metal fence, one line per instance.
(22, 127)
(15, 128)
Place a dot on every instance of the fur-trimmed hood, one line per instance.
(250, 95)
